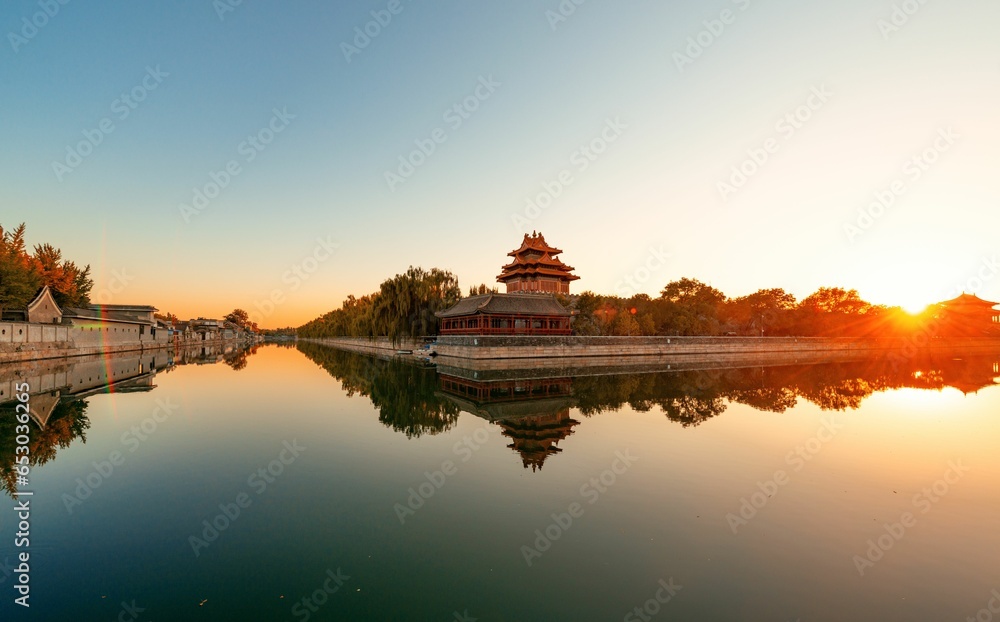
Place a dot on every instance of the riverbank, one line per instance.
(514, 347)
(20, 342)
(613, 350)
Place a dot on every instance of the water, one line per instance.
(752, 493)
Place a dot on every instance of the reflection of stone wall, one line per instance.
(79, 375)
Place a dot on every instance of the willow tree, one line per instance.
(405, 305)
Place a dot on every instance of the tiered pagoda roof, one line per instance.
(968, 315)
(535, 261)
(968, 301)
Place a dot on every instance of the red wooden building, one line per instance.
(529, 307)
(506, 314)
(968, 315)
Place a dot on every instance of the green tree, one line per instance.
(689, 307)
(481, 289)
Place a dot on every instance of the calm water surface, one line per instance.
(384, 491)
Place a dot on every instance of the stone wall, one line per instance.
(379, 345)
(21, 341)
(516, 347)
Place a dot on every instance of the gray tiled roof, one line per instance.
(95, 314)
(506, 304)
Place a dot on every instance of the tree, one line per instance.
(404, 306)
(23, 274)
(18, 280)
(835, 311)
(765, 311)
(168, 317)
(689, 307)
(70, 285)
(242, 319)
(481, 289)
(835, 300)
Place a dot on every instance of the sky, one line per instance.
(279, 156)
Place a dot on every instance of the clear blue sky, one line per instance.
(889, 95)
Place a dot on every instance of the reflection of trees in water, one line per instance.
(682, 397)
(404, 394)
(67, 423)
(238, 359)
(691, 397)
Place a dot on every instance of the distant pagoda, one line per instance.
(536, 269)
(968, 315)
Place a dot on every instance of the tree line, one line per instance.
(404, 306)
(23, 273)
(690, 307)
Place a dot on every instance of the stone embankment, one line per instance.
(514, 347)
(615, 350)
(379, 346)
(21, 341)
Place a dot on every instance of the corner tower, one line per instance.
(536, 269)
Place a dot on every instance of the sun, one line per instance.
(913, 302)
(915, 307)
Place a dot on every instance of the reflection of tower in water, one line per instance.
(533, 413)
(535, 438)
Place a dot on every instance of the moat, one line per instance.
(303, 482)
